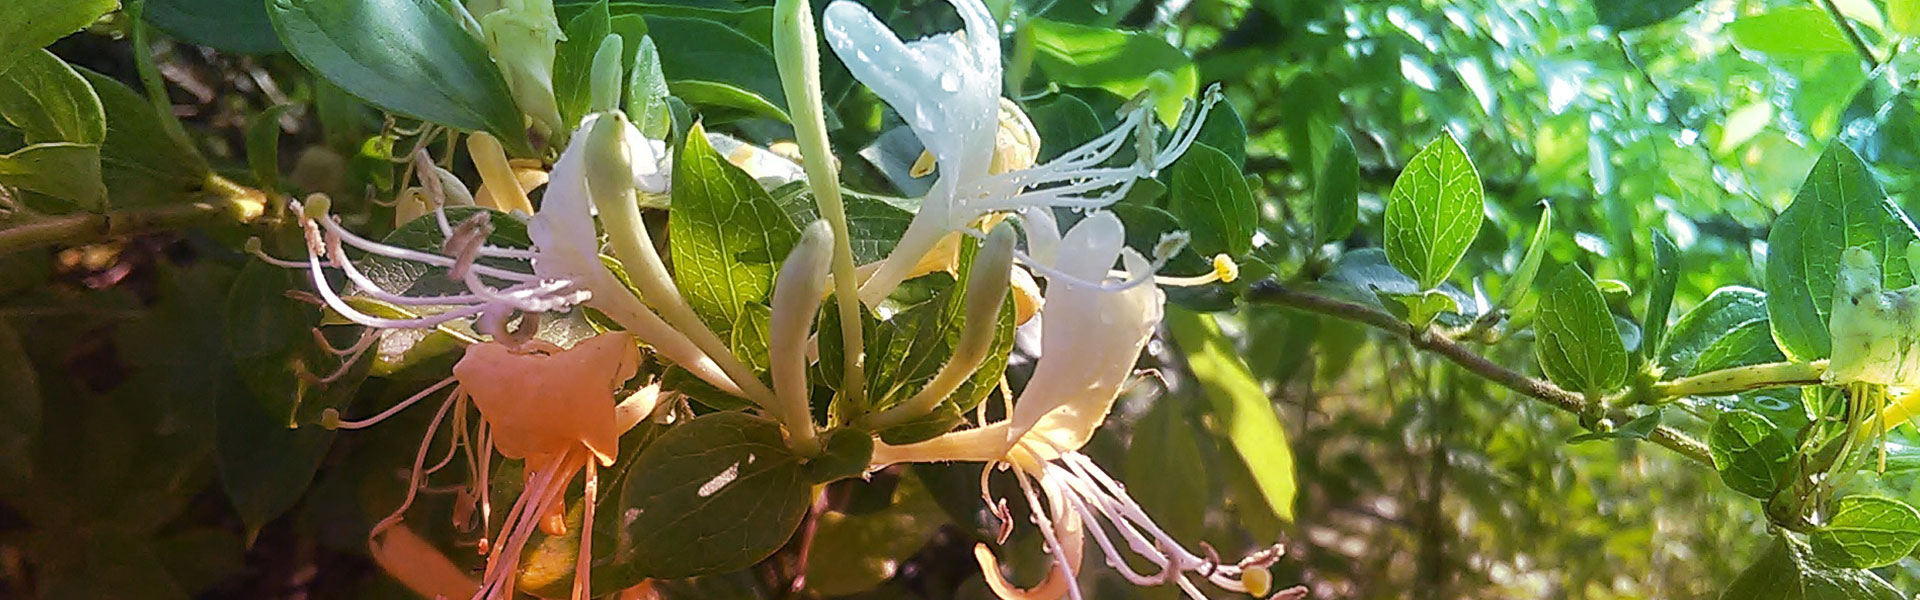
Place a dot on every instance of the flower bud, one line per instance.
(521, 37)
(605, 81)
(797, 292)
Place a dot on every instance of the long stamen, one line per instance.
(1054, 546)
(413, 478)
(331, 418)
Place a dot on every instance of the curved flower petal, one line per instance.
(542, 402)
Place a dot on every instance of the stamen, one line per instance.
(1224, 270)
(330, 418)
(413, 478)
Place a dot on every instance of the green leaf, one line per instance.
(1793, 31)
(50, 102)
(702, 50)
(1419, 308)
(1725, 311)
(1622, 15)
(1122, 62)
(647, 92)
(845, 455)
(1839, 206)
(1575, 339)
(1166, 471)
(1867, 532)
(1904, 16)
(716, 94)
(263, 145)
(1238, 405)
(69, 172)
(1788, 571)
(1752, 456)
(1522, 281)
(853, 553)
(410, 57)
(20, 406)
(716, 494)
(1336, 190)
(142, 163)
(265, 466)
(1210, 198)
(573, 61)
(237, 26)
(29, 25)
(1433, 212)
(1666, 276)
(874, 223)
(727, 233)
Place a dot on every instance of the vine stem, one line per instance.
(1741, 379)
(1853, 35)
(225, 201)
(1271, 292)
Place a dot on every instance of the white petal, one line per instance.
(946, 87)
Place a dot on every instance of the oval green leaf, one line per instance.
(1336, 190)
(1752, 456)
(1577, 344)
(1211, 199)
(410, 57)
(1433, 212)
(1867, 532)
(716, 494)
(1839, 206)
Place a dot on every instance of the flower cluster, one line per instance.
(561, 409)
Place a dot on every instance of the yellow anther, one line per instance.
(330, 419)
(316, 207)
(1016, 145)
(922, 166)
(1259, 581)
(1225, 269)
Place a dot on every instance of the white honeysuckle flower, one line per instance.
(562, 269)
(947, 88)
(1874, 331)
(1092, 333)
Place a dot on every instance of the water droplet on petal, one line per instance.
(949, 82)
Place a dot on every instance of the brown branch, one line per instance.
(225, 201)
(1270, 292)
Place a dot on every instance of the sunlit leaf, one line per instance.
(1753, 456)
(1241, 409)
(1840, 206)
(1433, 212)
(1576, 341)
(1867, 532)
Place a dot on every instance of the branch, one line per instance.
(226, 201)
(1853, 35)
(1271, 292)
(1741, 379)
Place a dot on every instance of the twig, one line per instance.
(1853, 35)
(1270, 292)
(228, 201)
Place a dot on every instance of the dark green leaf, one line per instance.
(1724, 311)
(727, 233)
(853, 553)
(1433, 212)
(1788, 571)
(265, 466)
(263, 145)
(716, 94)
(29, 25)
(1840, 206)
(703, 50)
(845, 454)
(573, 62)
(1866, 532)
(20, 404)
(141, 162)
(1212, 200)
(409, 57)
(238, 26)
(713, 495)
(1753, 456)
(1666, 276)
(1336, 191)
(1575, 339)
(62, 170)
(1622, 15)
(1166, 471)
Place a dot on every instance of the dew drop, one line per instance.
(949, 82)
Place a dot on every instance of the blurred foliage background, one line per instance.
(143, 475)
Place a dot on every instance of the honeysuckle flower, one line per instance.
(555, 409)
(520, 35)
(1091, 336)
(947, 88)
(797, 293)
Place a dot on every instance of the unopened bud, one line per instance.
(609, 169)
(605, 81)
